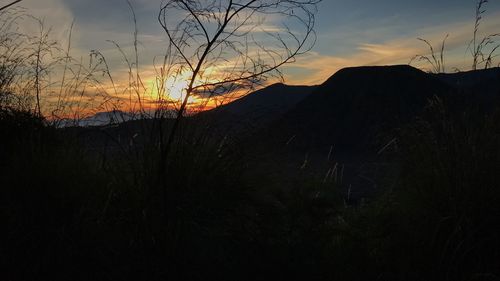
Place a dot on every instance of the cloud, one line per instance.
(315, 67)
(54, 13)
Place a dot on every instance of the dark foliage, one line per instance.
(89, 204)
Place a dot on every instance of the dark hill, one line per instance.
(348, 120)
(356, 108)
(258, 109)
(472, 79)
(237, 119)
(481, 87)
(273, 100)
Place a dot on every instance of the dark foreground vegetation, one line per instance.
(380, 173)
(81, 204)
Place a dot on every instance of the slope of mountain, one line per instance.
(275, 99)
(258, 109)
(482, 86)
(237, 119)
(471, 79)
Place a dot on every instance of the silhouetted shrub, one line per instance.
(440, 222)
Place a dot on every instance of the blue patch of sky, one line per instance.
(343, 24)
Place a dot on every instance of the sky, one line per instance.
(349, 33)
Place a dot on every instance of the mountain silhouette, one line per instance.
(258, 109)
(274, 100)
(480, 87)
(347, 121)
(355, 109)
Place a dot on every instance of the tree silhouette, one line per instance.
(228, 45)
(8, 5)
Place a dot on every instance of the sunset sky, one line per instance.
(350, 33)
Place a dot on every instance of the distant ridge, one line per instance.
(472, 78)
(481, 87)
(99, 119)
(258, 109)
(277, 98)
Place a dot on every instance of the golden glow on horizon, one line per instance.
(156, 93)
(176, 86)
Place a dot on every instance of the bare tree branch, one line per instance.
(228, 45)
(8, 5)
